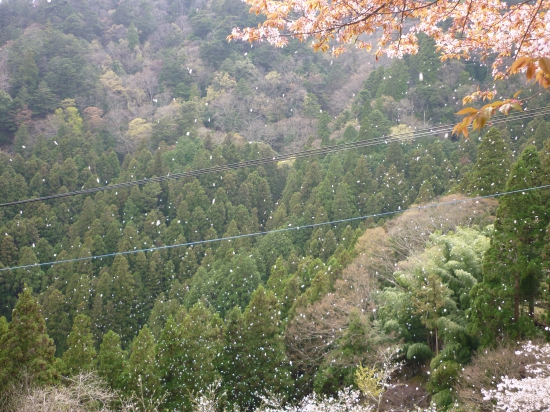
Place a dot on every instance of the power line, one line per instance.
(287, 229)
(294, 155)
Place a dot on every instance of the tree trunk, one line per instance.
(436, 342)
(516, 298)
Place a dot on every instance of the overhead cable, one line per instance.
(443, 129)
(286, 229)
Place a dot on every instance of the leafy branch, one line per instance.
(537, 70)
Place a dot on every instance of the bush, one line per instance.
(443, 376)
(419, 352)
(442, 399)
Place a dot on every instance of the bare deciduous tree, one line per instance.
(485, 372)
(317, 328)
(47, 127)
(159, 38)
(340, 98)
(93, 116)
(409, 232)
(85, 392)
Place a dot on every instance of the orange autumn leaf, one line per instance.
(484, 28)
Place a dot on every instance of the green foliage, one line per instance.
(270, 248)
(132, 36)
(26, 350)
(323, 132)
(238, 279)
(490, 172)
(112, 360)
(27, 73)
(190, 315)
(254, 357)
(54, 310)
(80, 355)
(187, 353)
(443, 376)
(512, 266)
(7, 124)
(368, 382)
(419, 352)
(426, 61)
(443, 399)
(142, 372)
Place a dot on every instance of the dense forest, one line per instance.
(396, 262)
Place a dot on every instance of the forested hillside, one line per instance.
(158, 291)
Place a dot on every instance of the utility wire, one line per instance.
(294, 155)
(287, 229)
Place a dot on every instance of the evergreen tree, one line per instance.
(240, 278)
(142, 372)
(44, 251)
(7, 123)
(511, 266)
(269, 249)
(541, 134)
(490, 172)
(26, 350)
(342, 207)
(27, 72)
(393, 192)
(32, 276)
(57, 321)
(108, 166)
(188, 265)
(169, 349)
(394, 156)
(396, 81)
(426, 61)
(372, 84)
(323, 132)
(43, 101)
(161, 311)
(4, 327)
(80, 355)
(255, 360)
(312, 178)
(278, 218)
(8, 250)
(329, 245)
(112, 360)
(312, 107)
(377, 123)
(78, 295)
(154, 283)
(232, 364)
(123, 297)
(257, 194)
(201, 334)
(198, 224)
(21, 140)
(365, 128)
(426, 193)
(364, 185)
(350, 134)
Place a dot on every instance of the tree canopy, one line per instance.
(511, 37)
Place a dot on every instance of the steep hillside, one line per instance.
(283, 276)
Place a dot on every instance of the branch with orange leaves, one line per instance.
(537, 70)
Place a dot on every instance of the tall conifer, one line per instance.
(511, 269)
(26, 350)
(80, 355)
